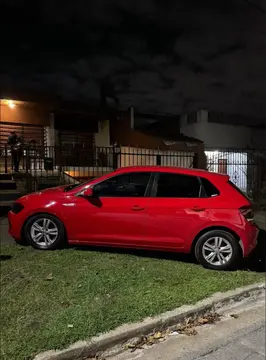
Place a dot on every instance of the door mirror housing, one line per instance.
(88, 192)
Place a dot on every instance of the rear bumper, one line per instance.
(249, 238)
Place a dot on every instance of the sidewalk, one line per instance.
(5, 239)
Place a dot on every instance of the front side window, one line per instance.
(126, 185)
(177, 186)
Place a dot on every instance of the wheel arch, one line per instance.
(211, 228)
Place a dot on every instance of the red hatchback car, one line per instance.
(159, 208)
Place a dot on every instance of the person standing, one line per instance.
(12, 141)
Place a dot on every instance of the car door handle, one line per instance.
(137, 208)
(198, 208)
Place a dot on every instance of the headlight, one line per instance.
(17, 207)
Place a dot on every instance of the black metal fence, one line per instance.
(78, 163)
(58, 165)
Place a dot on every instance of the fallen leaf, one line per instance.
(150, 339)
(135, 342)
(157, 335)
(49, 277)
(235, 316)
(203, 321)
(190, 332)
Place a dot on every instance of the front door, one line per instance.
(117, 214)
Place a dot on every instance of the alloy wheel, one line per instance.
(44, 232)
(217, 251)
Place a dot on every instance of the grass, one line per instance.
(52, 299)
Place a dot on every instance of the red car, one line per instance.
(159, 208)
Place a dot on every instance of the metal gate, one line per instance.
(244, 166)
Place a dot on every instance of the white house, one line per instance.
(234, 144)
(224, 131)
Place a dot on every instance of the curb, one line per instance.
(82, 349)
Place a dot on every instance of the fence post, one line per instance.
(114, 157)
(5, 152)
(60, 159)
(195, 160)
(27, 160)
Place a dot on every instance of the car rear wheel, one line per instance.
(45, 232)
(218, 250)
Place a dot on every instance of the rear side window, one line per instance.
(177, 186)
(209, 190)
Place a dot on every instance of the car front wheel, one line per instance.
(45, 232)
(218, 250)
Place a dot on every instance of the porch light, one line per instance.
(11, 104)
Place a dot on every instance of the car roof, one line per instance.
(173, 169)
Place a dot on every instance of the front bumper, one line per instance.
(15, 224)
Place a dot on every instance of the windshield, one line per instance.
(73, 186)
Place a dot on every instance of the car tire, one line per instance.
(218, 250)
(44, 232)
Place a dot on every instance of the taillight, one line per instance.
(247, 212)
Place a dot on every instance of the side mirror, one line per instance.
(88, 192)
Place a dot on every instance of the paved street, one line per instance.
(247, 347)
(241, 337)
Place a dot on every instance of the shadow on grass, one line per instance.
(5, 257)
(255, 263)
(257, 260)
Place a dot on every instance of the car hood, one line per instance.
(53, 189)
(49, 191)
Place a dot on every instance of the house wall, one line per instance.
(24, 114)
(102, 137)
(122, 134)
(217, 136)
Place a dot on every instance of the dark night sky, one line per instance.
(161, 56)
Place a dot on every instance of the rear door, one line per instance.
(176, 209)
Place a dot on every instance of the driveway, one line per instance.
(4, 237)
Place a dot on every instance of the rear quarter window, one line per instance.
(209, 190)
